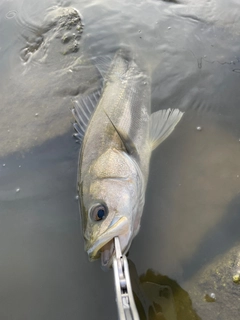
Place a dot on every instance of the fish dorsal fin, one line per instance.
(83, 109)
(162, 123)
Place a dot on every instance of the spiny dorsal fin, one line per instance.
(83, 109)
(162, 123)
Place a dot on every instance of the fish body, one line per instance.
(118, 136)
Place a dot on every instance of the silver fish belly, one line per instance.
(118, 134)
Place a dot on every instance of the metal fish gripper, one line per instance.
(124, 296)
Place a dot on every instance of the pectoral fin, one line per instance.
(162, 123)
(126, 140)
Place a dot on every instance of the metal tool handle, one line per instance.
(124, 297)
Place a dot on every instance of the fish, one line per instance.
(117, 133)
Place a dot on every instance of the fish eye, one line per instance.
(98, 213)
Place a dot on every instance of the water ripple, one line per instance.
(11, 14)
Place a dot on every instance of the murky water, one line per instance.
(192, 51)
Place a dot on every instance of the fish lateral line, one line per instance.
(114, 178)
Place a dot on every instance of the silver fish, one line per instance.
(117, 134)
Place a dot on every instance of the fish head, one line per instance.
(111, 205)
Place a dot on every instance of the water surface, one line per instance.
(191, 52)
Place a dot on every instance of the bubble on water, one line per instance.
(199, 128)
(36, 114)
(70, 70)
(11, 14)
(76, 197)
(169, 28)
(210, 297)
(18, 190)
(19, 166)
(4, 165)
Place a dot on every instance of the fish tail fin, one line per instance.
(162, 123)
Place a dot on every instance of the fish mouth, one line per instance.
(104, 245)
(107, 252)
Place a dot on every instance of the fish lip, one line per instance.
(119, 228)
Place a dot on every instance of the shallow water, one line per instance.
(190, 217)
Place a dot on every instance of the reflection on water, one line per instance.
(160, 298)
(191, 215)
